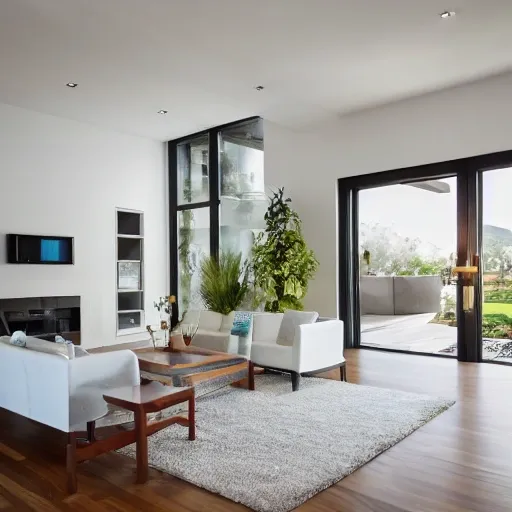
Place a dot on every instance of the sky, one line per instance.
(431, 216)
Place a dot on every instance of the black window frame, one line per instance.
(213, 203)
(469, 173)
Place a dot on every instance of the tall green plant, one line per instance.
(282, 263)
(224, 283)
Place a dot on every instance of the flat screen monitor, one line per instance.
(34, 249)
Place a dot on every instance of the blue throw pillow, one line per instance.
(241, 323)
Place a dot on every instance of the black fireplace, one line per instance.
(43, 317)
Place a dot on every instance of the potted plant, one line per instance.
(224, 282)
(282, 263)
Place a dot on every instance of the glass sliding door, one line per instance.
(496, 264)
(425, 259)
(407, 236)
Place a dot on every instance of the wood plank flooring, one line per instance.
(460, 461)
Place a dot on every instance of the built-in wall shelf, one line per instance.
(130, 271)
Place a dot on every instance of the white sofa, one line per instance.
(316, 347)
(60, 392)
(213, 330)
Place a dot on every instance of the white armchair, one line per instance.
(316, 347)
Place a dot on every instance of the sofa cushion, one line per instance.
(227, 322)
(210, 321)
(265, 326)
(272, 355)
(211, 340)
(291, 320)
(191, 317)
(50, 347)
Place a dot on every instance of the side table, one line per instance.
(152, 397)
(141, 400)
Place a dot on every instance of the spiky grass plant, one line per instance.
(224, 283)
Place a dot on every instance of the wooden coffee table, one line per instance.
(191, 365)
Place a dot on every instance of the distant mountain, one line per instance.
(497, 234)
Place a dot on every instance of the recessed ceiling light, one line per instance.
(447, 14)
(259, 87)
(162, 112)
(72, 85)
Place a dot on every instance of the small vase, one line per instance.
(164, 326)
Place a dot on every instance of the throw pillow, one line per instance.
(19, 338)
(291, 320)
(242, 322)
(227, 322)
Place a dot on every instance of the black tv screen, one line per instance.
(34, 249)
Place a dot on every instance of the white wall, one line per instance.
(61, 177)
(455, 123)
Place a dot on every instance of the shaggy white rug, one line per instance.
(272, 449)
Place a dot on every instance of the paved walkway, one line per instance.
(406, 332)
(414, 333)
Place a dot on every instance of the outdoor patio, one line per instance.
(415, 333)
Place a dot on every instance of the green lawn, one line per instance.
(496, 307)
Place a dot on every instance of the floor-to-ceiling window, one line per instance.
(242, 189)
(193, 216)
(216, 200)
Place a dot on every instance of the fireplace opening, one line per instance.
(42, 317)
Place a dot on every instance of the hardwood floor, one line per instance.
(462, 460)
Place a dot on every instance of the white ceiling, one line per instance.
(200, 59)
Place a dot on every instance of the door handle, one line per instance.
(466, 279)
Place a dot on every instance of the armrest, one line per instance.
(317, 346)
(90, 376)
(107, 370)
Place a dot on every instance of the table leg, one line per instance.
(192, 418)
(142, 445)
(71, 462)
(251, 376)
(91, 430)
